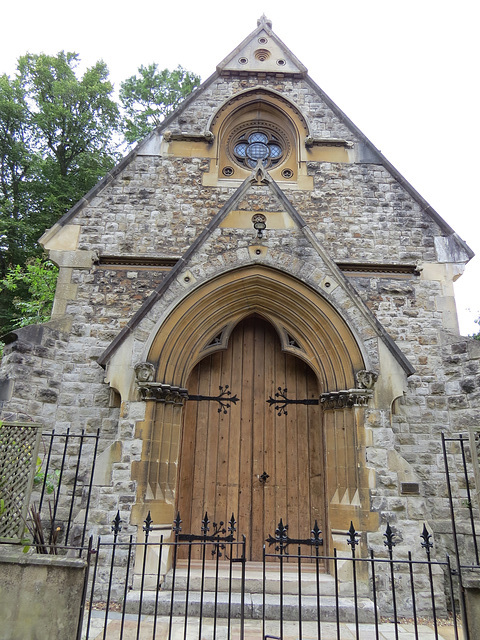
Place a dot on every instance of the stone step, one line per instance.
(254, 584)
(253, 606)
(223, 582)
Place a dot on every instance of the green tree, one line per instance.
(17, 170)
(477, 335)
(58, 132)
(34, 289)
(73, 123)
(57, 139)
(147, 98)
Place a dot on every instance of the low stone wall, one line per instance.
(472, 604)
(40, 595)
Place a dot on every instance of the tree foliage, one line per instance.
(147, 98)
(72, 121)
(37, 279)
(59, 134)
(18, 165)
(56, 141)
(476, 336)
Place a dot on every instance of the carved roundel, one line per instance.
(262, 141)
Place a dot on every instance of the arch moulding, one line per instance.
(307, 324)
(308, 327)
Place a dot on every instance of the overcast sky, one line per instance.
(407, 74)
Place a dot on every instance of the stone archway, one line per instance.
(308, 328)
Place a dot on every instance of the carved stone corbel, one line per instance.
(346, 398)
(144, 372)
(311, 141)
(158, 391)
(178, 136)
(166, 393)
(209, 137)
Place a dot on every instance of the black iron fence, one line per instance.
(460, 453)
(195, 583)
(175, 582)
(376, 594)
(197, 586)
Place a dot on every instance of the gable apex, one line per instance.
(262, 52)
(364, 152)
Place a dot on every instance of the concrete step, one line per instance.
(220, 605)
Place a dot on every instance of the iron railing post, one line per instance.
(412, 591)
(147, 529)
(352, 540)
(90, 485)
(463, 608)
(469, 500)
(85, 589)
(125, 590)
(374, 591)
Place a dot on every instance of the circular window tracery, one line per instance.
(258, 144)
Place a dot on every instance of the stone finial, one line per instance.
(144, 372)
(366, 379)
(263, 21)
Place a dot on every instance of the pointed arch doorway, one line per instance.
(223, 455)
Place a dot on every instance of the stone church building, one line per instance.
(257, 311)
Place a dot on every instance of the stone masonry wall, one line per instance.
(157, 206)
(107, 298)
(446, 400)
(58, 383)
(195, 118)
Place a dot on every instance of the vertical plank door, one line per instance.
(224, 455)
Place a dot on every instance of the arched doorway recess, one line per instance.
(251, 460)
(307, 328)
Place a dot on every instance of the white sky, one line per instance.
(407, 74)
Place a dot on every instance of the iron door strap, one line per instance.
(281, 401)
(224, 398)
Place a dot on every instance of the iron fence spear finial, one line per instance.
(116, 528)
(353, 537)
(389, 543)
(426, 544)
(316, 539)
(148, 525)
(177, 523)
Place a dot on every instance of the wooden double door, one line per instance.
(226, 456)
